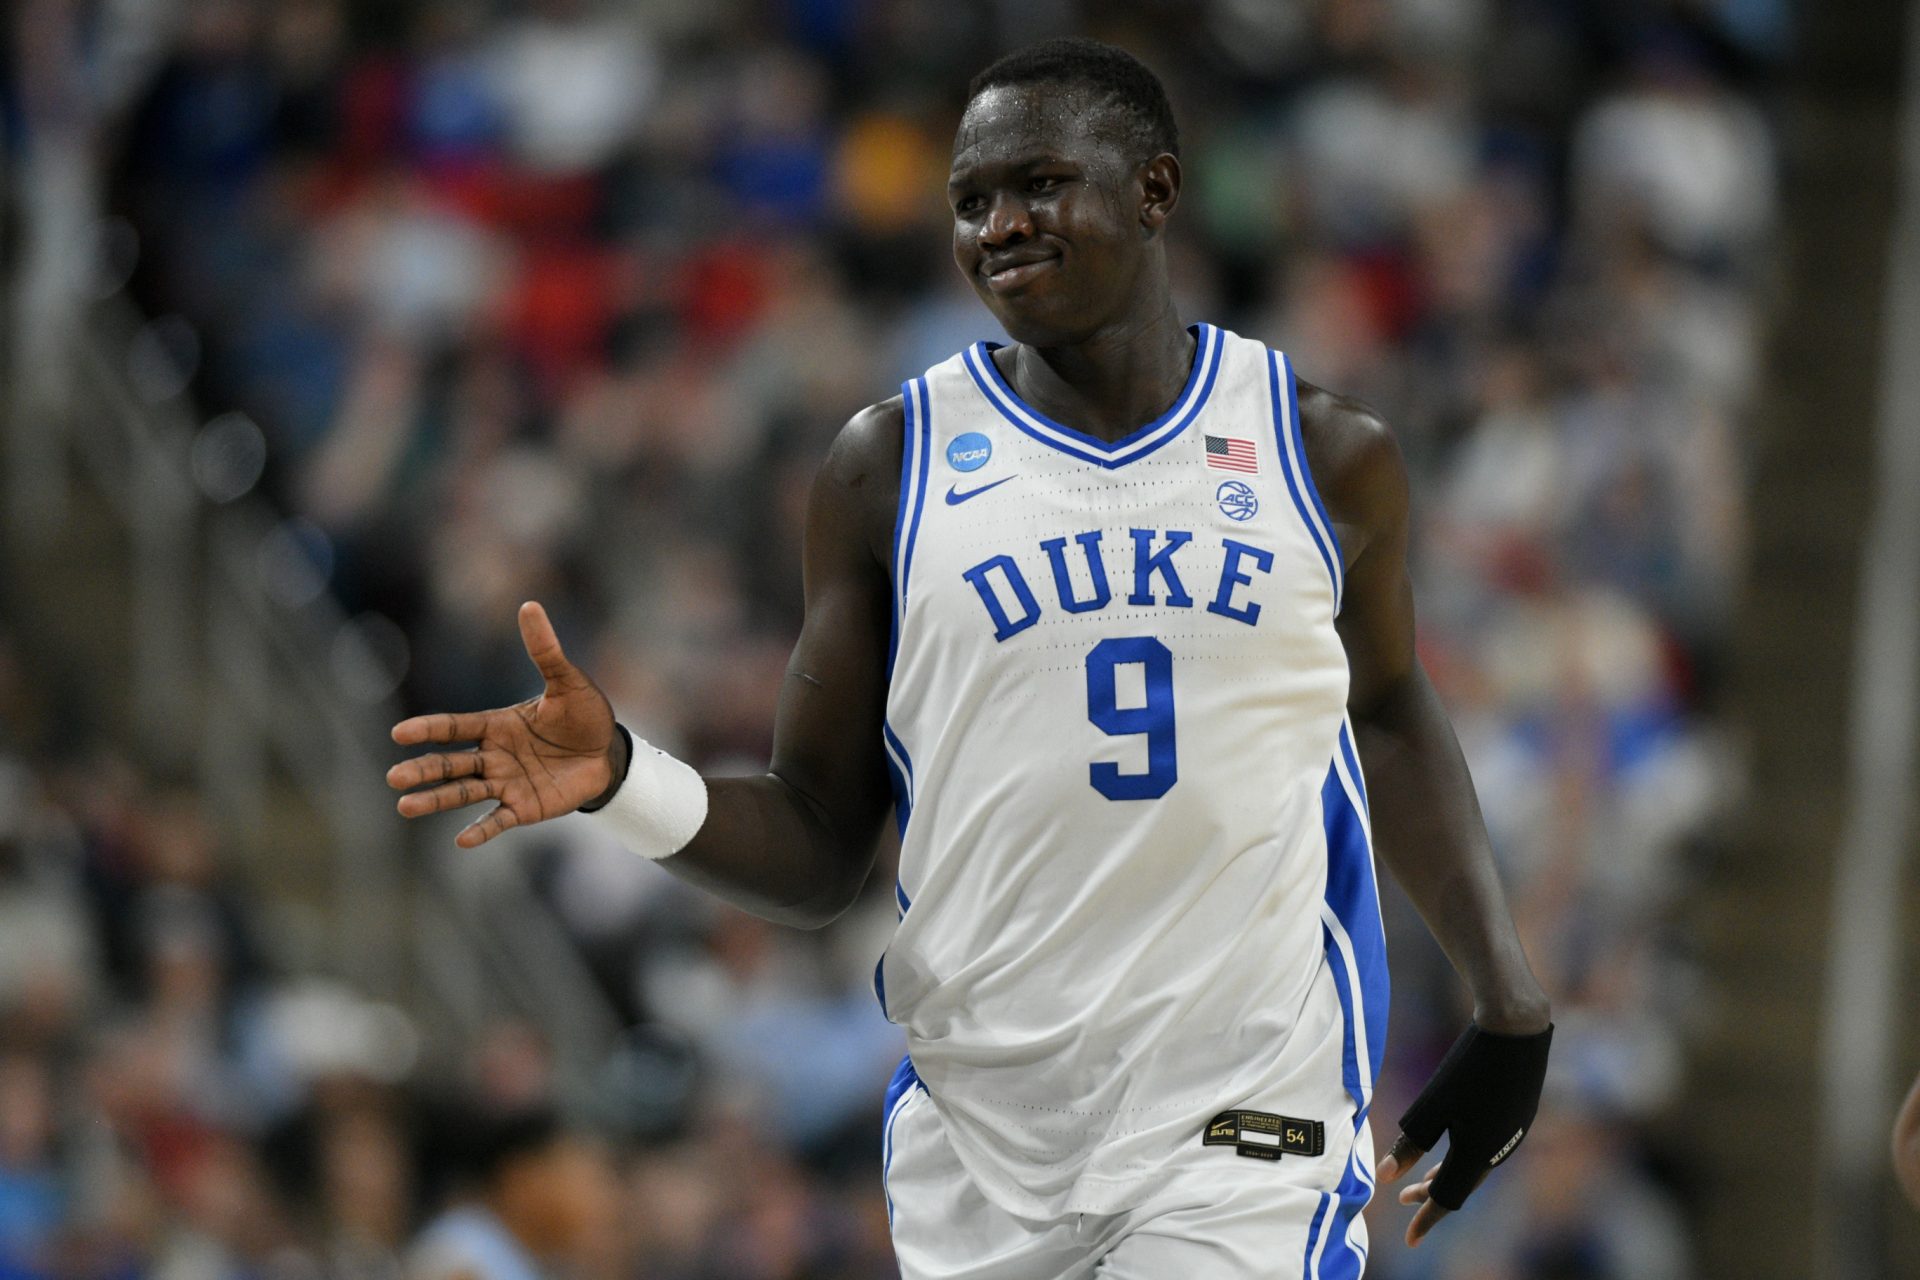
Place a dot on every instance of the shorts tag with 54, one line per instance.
(1261, 1135)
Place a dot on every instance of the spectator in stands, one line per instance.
(34, 1190)
(542, 1194)
(49, 954)
(558, 298)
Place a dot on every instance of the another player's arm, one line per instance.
(793, 844)
(1426, 819)
(1906, 1145)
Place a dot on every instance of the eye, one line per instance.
(967, 206)
(1040, 184)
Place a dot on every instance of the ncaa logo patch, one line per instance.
(969, 452)
(1237, 500)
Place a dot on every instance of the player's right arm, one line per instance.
(793, 844)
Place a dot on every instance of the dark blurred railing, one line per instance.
(138, 526)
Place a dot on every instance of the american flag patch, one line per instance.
(1224, 453)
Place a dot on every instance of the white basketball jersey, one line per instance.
(1133, 823)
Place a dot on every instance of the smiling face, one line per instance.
(1054, 224)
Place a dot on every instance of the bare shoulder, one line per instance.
(1356, 464)
(867, 448)
(861, 472)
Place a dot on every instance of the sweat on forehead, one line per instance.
(1007, 121)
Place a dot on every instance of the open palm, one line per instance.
(539, 759)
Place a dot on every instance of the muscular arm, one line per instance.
(1426, 820)
(796, 843)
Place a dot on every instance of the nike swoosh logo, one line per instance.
(955, 497)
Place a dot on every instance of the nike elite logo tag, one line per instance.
(1260, 1135)
(956, 496)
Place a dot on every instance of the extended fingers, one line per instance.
(1419, 1192)
(1400, 1157)
(451, 795)
(441, 766)
(478, 833)
(441, 727)
(543, 644)
(1424, 1221)
(1430, 1212)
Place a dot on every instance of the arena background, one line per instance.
(334, 330)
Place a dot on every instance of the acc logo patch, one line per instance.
(969, 452)
(1237, 500)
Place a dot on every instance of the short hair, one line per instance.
(1127, 84)
(492, 1143)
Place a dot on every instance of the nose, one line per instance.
(1008, 223)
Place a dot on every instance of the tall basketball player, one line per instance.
(1117, 619)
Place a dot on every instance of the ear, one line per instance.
(1159, 192)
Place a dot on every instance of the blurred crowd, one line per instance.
(563, 300)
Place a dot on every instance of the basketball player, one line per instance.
(1117, 619)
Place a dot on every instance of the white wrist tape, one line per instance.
(660, 805)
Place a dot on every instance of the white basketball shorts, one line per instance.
(1213, 1214)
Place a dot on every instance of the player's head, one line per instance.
(1065, 169)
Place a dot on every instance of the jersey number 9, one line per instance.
(1154, 717)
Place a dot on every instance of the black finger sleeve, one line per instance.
(1456, 1180)
(1484, 1097)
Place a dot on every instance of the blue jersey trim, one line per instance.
(1343, 1260)
(1356, 948)
(1293, 464)
(1307, 1269)
(925, 451)
(902, 507)
(899, 1089)
(915, 444)
(905, 1078)
(1337, 1257)
(1350, 1067)
(1356, 952)
(899, 773)
(1306, 470)
(1355, 939)
(1352, 758)
(902, 802)
(1209, 343)
(1352, 1195)
(1202, 341)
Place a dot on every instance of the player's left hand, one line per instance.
(1484, 1097)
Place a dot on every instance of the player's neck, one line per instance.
(1115, 382)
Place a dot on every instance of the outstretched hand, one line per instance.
(538, 759)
